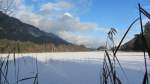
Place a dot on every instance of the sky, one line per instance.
(82, 22)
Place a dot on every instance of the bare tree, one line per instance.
(7, 6)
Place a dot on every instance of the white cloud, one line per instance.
(81, 40)
(18, 2)
(68, 14)
(67, 22)
(79, 6)
(63, 24)
(50, 8)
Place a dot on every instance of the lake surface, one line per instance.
(72, 67)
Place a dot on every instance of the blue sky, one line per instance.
(114, 13)
(87, 21)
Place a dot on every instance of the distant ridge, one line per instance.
(15, 30)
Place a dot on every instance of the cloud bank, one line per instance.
(57, 17)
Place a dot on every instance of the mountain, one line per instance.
(136, 44)
(13, 30)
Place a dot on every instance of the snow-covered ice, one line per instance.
(74, 67)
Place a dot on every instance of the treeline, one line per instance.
(7, 46)
(136, 43)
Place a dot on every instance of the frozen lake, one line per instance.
(73, 67)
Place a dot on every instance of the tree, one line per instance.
(147, 27)
(147, 33)
(7, 6)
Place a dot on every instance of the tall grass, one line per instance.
(144, 42)
(4, 68)
(108, 75)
